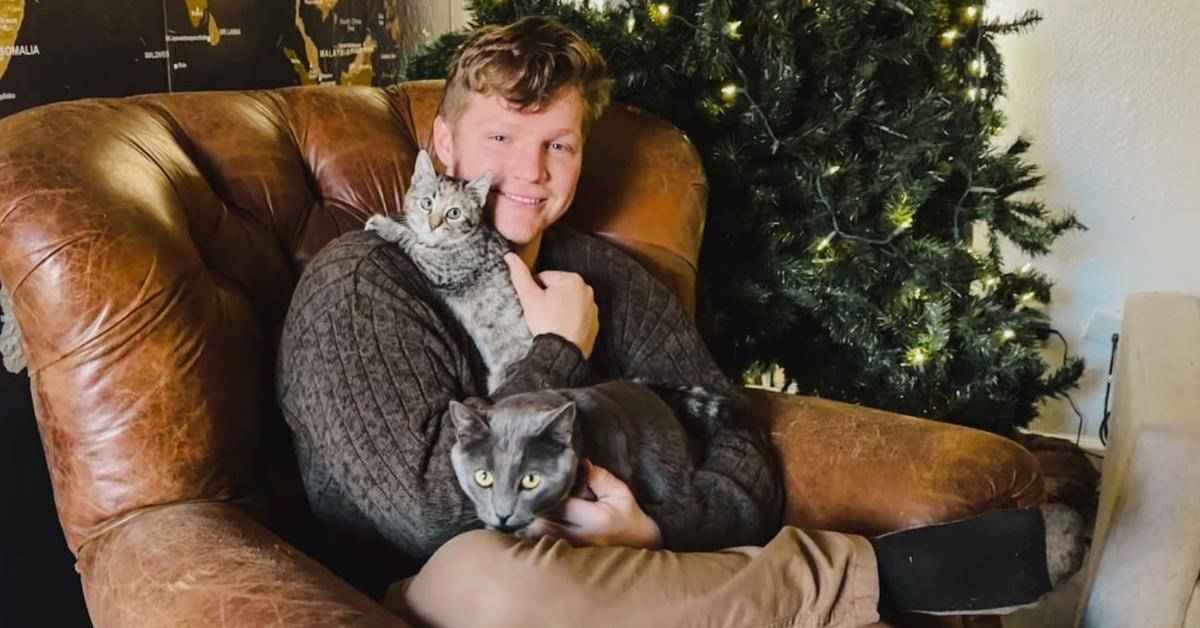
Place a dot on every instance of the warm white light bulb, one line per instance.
(917, 356)
(1008, 334)
(729, 92)
(824, 243)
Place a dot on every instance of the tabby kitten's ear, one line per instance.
(424, 172)
(479, 187)
(558, 425)
(468, 424)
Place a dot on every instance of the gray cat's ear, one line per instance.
(558, 425)
(424, 172)
(468, 424)
(478, 187)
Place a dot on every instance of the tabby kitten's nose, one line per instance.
(435, 221)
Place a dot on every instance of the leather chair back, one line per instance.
(151, 245)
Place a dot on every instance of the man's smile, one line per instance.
(525, 200)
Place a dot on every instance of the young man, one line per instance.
(369, 363)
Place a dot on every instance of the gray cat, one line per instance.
(519, 457)
(445, 234)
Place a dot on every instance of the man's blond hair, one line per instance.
(528, 63)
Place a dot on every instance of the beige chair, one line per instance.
(1145, 560)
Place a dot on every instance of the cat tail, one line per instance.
(698, 403)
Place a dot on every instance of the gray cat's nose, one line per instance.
(502, 524)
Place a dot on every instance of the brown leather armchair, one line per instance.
(150, 245)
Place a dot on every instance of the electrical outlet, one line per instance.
(1101, 327)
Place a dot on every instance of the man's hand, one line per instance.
(565, 306)
(613, 519)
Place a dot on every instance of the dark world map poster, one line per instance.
(53, 50)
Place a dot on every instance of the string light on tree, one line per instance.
(971, 13)
(901, 214)
(729, 93)
(824, 251)
(1007, 335)
(950, 36)
(977, 67)
(1028, 299)
(731, 29)
(832, 170)
(916, 357)
(660, 13)
(826, 241)
(630, 24)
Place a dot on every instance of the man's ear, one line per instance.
(468, 424)
(443, 143)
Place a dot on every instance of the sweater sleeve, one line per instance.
(735, 496)
(552, 362)
(365, 375)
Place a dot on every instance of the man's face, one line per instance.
(534, 156)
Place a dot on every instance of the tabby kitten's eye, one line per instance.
(426, 204)
(531, 481)
(484, 478)
(453, 214)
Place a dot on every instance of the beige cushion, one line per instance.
(1145, 558)
(1192, 619)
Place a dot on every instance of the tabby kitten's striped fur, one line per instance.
(445, 233)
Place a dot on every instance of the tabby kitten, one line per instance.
(519, 457)
(444, 232)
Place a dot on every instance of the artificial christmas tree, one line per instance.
(848, 147)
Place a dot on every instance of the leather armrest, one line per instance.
(209, 564)
(855, 469)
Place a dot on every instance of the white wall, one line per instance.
(1109, 92)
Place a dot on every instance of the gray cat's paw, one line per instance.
(1065, 544)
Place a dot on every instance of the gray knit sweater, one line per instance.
(370, 359)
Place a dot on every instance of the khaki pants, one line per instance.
(483, 579)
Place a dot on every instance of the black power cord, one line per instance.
(1067, 396)
(1112, 359)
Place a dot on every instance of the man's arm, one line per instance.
(736, 497)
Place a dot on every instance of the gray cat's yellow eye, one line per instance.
(484, 478)
(426, 204)
(531, 481)
(453, 214)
